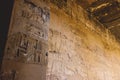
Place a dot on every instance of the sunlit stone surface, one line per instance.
(59, 40)
(80, 48)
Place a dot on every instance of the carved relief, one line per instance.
(27, 44)
(11, 75)
(26, 49)
(35, 13)
(37, 33)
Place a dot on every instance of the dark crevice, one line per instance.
(111, 20)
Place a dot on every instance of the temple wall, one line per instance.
(79, 47)
(26, 52)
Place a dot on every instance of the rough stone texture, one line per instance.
(107, 12)
(26, 52)
(79, 49)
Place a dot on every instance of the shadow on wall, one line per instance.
(6, 10)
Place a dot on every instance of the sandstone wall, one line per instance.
(26, 52)
(79, 48)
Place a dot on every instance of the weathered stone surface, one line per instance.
(79, 50)
(108, 13)
(26, 53)
(59, 3)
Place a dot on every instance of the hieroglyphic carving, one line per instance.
(24, 47)
(27, 44)
(11, 75)
(35, 13)
(37, 33)
(27, 49)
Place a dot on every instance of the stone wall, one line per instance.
(79, 47)
(74, 47)
(26, 52)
